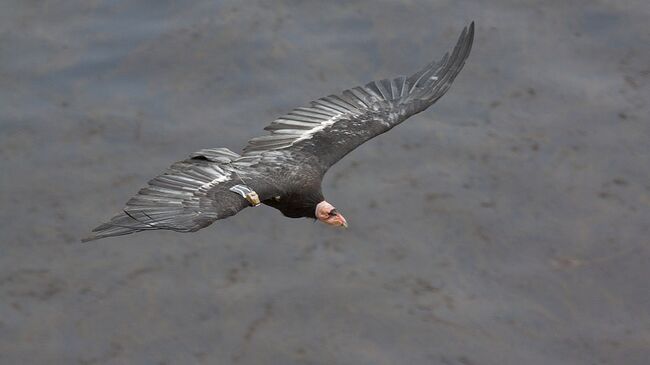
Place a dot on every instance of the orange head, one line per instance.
(326, 213)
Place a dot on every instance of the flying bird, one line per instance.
(284, 168)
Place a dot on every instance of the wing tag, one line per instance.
(246, 193)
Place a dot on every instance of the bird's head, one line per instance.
(326, 213)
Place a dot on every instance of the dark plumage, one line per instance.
(286, 167)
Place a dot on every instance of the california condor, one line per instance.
(284, 168)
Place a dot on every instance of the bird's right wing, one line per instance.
(189, 196)
(331, 127)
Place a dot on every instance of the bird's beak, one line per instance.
(342, 220)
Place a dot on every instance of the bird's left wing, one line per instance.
(331, 127)
(189, 196)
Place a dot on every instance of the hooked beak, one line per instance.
(344, 223)
(326, 213)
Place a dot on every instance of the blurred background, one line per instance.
(507, 224)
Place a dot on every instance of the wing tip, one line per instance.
(470, 36)
(88, 239)
(93, 237)
(99, 234)
(120, 225)
(466, 38)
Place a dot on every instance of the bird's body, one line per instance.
(285, 168)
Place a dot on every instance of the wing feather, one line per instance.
(332, 126)
(189, 196)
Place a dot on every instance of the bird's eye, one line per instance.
(333, 212)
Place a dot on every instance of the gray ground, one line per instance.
(508, 224)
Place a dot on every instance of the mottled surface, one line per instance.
(506, 225)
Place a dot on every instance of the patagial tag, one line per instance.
(246, 193)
